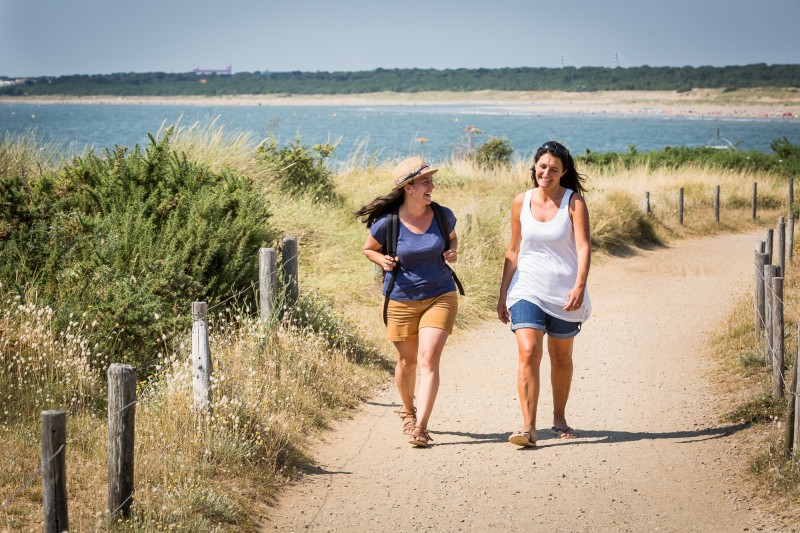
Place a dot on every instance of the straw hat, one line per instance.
(410, 169)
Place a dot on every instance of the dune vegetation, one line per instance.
(101, 255)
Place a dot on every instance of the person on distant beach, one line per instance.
(422, 301)
(543, 288)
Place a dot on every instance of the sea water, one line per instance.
(384, 132)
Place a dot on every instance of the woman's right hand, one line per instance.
(389, 262)
(502, 311)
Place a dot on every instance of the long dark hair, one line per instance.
(370, 212)
(571, 178)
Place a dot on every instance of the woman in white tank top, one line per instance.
(543, 289)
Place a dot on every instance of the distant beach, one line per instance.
(766, 103)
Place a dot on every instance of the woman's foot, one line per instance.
(409, 419)
(524, 438)
(420, 437)
(565, 432)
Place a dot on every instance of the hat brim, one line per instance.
(428, 172)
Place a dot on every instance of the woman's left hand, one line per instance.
(574, 299)
(451, 256)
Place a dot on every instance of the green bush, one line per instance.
(300, 169)
(127, 240)
(494, 152)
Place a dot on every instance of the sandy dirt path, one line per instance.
(653, 454)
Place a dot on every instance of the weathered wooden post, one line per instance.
(646, 203)
(777, 338)
(121, 431)
(770, 272)
(781, 244)
(290, 270)
(755, 198)
(768, 249)
(267, 281)
(790, 235)
(680, 206)
(716, 203)
(791, 406)
(761, 262)
(791, 191)
(201, 358)
(52, 456)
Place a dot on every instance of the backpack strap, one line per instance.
(441, 221)
(390, 248)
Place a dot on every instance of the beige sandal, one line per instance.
(409, 420)
(420, 437)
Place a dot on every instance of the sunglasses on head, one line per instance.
(555, 147)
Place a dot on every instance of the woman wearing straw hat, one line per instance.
(423, 302)
(543, 288)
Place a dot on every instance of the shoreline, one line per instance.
(745, 103)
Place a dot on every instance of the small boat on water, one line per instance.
(720, 143)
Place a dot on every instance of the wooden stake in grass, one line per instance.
(201, 358)
(52, 453)
(121, 431)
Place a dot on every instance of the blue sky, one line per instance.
(57, 37)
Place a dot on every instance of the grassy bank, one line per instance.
(148, 212)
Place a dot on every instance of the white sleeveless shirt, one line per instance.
(547, 264)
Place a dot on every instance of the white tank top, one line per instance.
(547, 265)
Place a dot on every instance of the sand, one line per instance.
(653, 452)
(752, 103)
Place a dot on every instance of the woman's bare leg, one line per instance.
(561, 368)
(431, 344)
(529, 345)
(405, 372)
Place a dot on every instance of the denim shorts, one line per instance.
(525, 314)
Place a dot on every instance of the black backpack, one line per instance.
(390, 248)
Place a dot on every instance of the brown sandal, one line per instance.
(409, 420)
(420, 437)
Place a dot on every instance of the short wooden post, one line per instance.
(646, 203)
(790, 236)
(770, 272)
(781, 244)
(768, 250)
(290, 271)
(789, 441)
(761, 262)
(121, 431)
(755, 198)
(267, 281)
(201, 358)
(680, 206)
(716, 203)
(791, 191)
(777, 338)
(52, 455)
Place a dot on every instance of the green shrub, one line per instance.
(129, 239)
(299, 168)
(494, 152)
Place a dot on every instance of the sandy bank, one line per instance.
(772, 103)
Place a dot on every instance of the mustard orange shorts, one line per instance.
(404, 318)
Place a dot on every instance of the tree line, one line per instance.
(413, 80)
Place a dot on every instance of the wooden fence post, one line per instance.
(768, 250)
(716, 203)
(789, 441)
(646, 203)
(755, 198)
(761, 262)
(267, 281)
(770, 272)
(290, 270)
(680, 206)
(121, 432)
(777, 338)
(52, 455)
(781, 244)
(791, 191)
(790, 235)
(201, 358)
